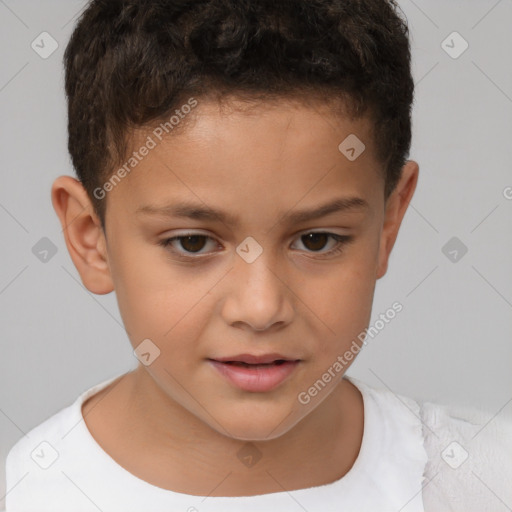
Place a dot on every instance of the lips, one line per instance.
(255, 373)
(252, 365)
(250, 359)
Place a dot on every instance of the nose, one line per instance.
(258, 297)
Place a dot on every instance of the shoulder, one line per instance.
(52, 431)
(29, 459)
(26, 448)
(469, 458)
(33, 465)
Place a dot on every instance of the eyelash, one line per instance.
(343, 240)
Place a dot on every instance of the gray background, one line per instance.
(451, 343)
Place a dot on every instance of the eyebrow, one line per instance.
(197, 211)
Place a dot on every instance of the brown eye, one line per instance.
(315, 241)
(186, 244)
(193, 243)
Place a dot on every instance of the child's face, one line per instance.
(203, 299)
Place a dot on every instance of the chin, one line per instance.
(255, 435)
(256, 427)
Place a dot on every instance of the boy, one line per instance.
(243, 178)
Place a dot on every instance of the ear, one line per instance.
(83, 233)
(396, 206)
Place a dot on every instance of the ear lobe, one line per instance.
(396, 207)
(83, 234)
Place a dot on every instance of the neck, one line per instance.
(193, 458)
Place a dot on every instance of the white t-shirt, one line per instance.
(414, 457)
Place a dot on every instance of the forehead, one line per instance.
(240, 152)
(248, 121)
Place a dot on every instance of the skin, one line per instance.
(186, 421)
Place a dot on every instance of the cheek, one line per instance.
(340, 302)
(344, 292)
(156, 299)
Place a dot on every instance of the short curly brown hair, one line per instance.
(129, 63)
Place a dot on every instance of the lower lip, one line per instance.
(257, 379)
